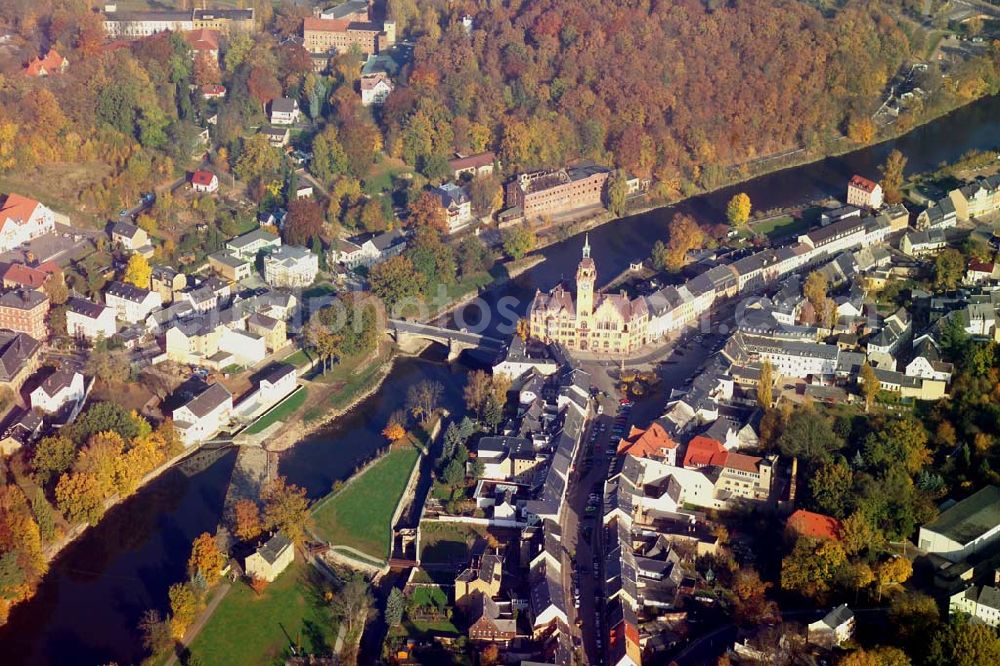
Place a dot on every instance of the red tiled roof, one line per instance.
(17, 208)
(480, 160)
(202, 177)
(742, 462)
(325, 25)
(213, 89)
(369, 81)
(26, 276)
(203, 39)
(645, 443)
(980, 266)
(815, 525)
(50, 63)
(863, 183)
(703, 451)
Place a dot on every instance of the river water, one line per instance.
(88, 606)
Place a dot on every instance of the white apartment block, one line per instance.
(291, 266)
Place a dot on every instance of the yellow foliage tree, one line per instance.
(861, 129)
(892, 572)
(138, 271)
(183, 607)
(207, 558)
(522, 328)
(8, 134)
(738, 210)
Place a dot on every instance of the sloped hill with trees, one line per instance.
(674, 89)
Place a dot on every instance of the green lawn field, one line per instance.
(248, 629)
(279, 413)
(358, 516)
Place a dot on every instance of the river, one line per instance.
(89, 604)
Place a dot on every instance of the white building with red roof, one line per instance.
(203, 42)
(204, 181)
(213, 91)
(652, 442)
(51, 63)
(375, 88)
(864, 193)
(21, 220)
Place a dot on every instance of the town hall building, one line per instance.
(596, 322)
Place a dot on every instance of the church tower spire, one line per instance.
(586, 277)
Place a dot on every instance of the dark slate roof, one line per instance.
(278, 371)
(547, 592)
(15, 350)
(262, 320)
(82, 306)
(127, 291)
(252, 237)
(386, 240)
(272, 550)
(971, 518)
(208, 400)
(124, 229)
(838, 616)
(23, 299)
(57, 381)
(283, 105)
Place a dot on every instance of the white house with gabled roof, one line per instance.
(86, 319)
(203, 416)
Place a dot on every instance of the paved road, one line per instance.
(685, 356)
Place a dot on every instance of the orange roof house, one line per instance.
(704, 451)
(204, 181)
(652, 442)
(17, 208)
(203, 40)
(19, 275)
(863, 183)
(52, 63)
(814, 525)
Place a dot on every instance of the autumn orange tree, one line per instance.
(304, 222)
(206, 558)
(426, 212)
(685, 235)
(258, 585)
(393, 431)
(246, 515)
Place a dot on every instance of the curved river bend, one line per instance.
(87, 608)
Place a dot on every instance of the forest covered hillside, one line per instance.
(669, 88)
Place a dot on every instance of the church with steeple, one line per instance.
(592, 322)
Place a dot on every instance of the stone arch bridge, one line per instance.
(456, 341)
